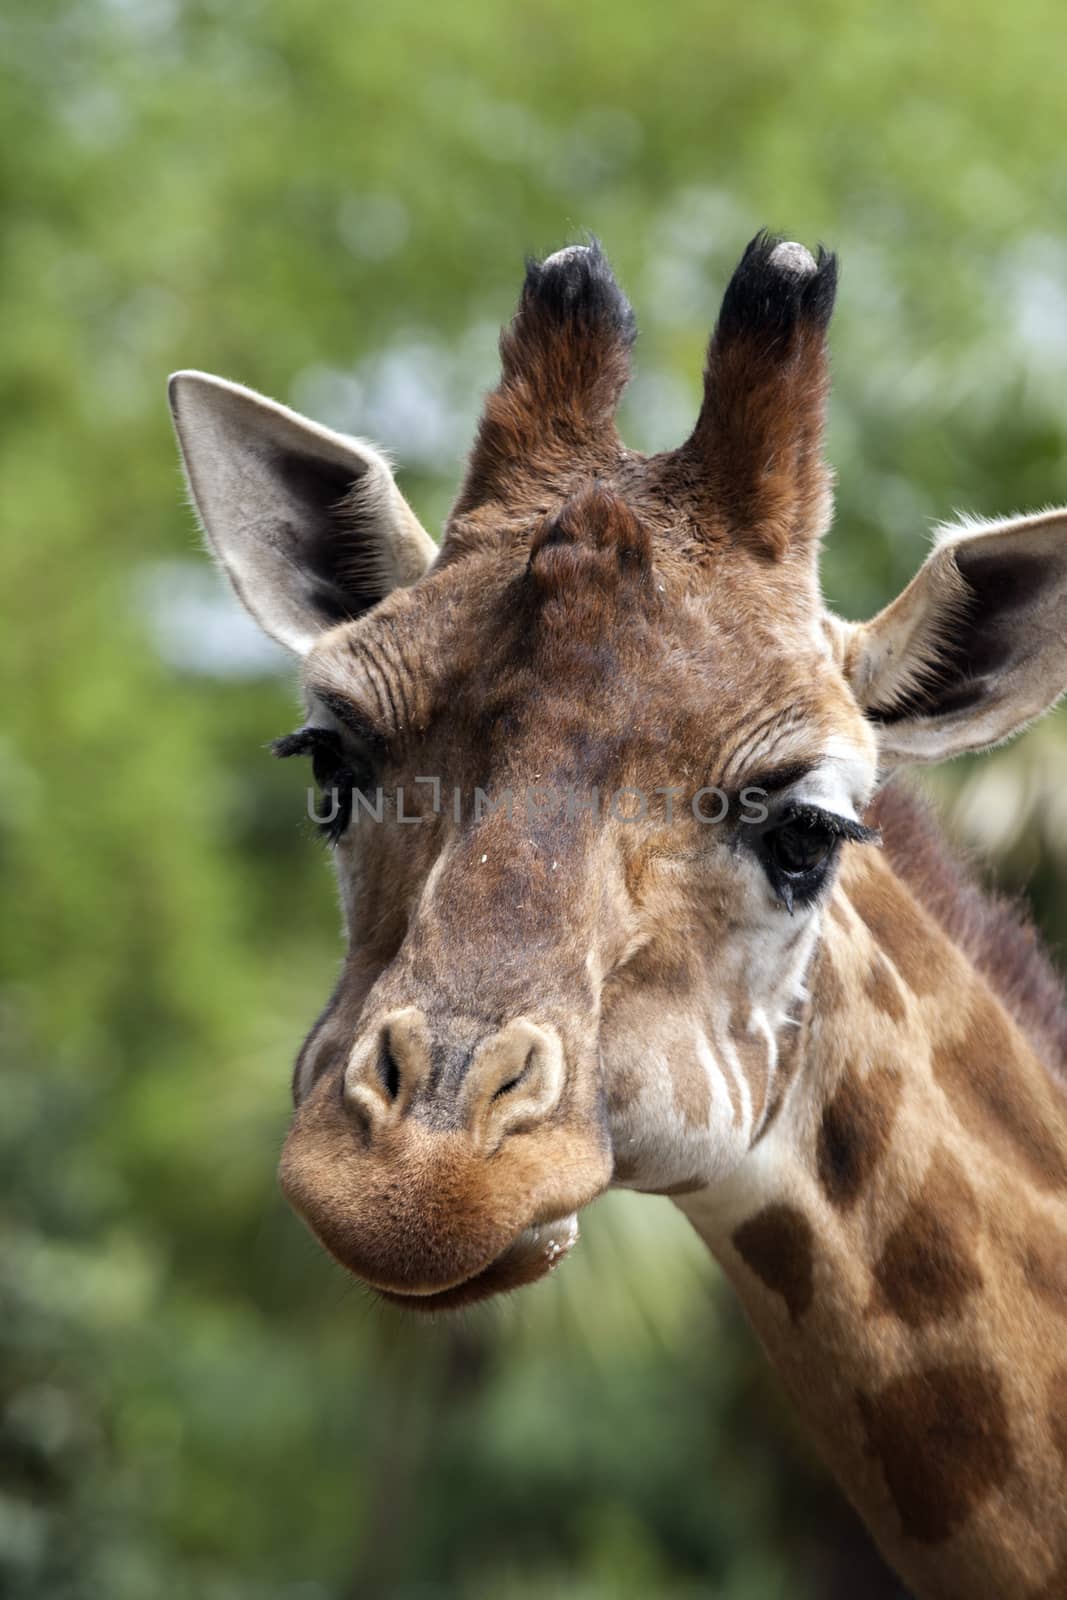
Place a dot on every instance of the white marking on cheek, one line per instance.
(430, 886)
(744, 1088)
(759, 1022)
(718, 1072)
(348, 867)
(714, 1083)
(793, 989)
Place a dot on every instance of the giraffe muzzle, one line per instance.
(439, 1180)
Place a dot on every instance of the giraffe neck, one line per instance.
(899, 1240)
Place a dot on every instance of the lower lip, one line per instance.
(561, 1237)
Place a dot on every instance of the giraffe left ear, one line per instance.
(974, 648)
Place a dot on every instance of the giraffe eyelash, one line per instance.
(333, 773)
(816, 816)
(798, 847)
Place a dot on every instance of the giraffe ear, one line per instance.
(974, 648)
(308, 525)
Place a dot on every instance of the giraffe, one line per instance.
(636, 895)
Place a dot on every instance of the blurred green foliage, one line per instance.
(331, 202)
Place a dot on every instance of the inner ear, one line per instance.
(975, 647)
(980, 636)
(344, 567)
(308, 525)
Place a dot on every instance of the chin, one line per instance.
(536, 1252)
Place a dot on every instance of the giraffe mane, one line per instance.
(993, 930)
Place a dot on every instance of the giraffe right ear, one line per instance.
(974, 648)
(308, 525)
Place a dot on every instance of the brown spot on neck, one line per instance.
(777, 1245)
(854, 1133)
(1001, 1095)
(928, 1268)
(943, 1440)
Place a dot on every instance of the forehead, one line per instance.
(588, 620)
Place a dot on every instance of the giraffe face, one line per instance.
(573, 817)
(593, 763)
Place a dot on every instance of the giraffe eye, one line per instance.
(333, 773)
(797, 853)
(800, 847)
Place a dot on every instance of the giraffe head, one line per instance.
(589, 767)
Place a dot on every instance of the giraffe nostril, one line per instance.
(513, 1082)
(385, 1069)
(388, 1068)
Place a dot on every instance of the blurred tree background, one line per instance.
(331, 202)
